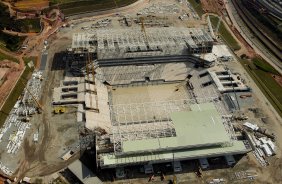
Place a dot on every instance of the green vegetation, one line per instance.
(4, 56)
(264, 66)
(70, 7)
(225, 34)
(11, 42)
(13, 97)
(29, 25)
(197, 6)
(20, 25)
(262, 73)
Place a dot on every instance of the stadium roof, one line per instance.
(237, 147)
(200, 133)
(202, 126)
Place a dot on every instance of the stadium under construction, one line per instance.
(150, 96)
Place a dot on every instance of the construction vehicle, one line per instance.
(246, 95)
(59, 110)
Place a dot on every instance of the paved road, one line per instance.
(251, 39)
(43, 61)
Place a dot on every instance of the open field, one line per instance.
(90, 6)
(11, 100)
(225, 34)
(4, 56)
(31, 4)
(263, 77)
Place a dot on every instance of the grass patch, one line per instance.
(4, 56)
(225, 34)
(196, 4)
(20, 25)
(29, 25)
(264, 66)
(263, 78)
(13, 97)
(76, 7)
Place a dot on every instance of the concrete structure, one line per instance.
(226, 81)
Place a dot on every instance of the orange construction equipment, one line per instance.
(246, 95)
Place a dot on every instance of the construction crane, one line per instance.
(144, 30)
(33, 98)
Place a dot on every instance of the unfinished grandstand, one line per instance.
(146, 96)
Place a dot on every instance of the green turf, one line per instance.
(263, 78)
(4, 56)
(13, 97)
(225, 34)
(196, 4)
(264, 66)
(69, 7)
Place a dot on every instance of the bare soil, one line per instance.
(11, 77)
(278, 79)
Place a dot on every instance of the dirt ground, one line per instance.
(271, 173)
(278, 79)
(31, 4)
(212, 6)
(56, 132)
(12, 76)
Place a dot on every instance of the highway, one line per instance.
(254, 25)
(250, 38)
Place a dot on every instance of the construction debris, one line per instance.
(160, 8)
(18, 118)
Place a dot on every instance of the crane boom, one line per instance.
(143, 28)
(33, 98)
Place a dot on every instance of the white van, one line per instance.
(177, 166)
(148, 169)
(204, 164)
(230, 160)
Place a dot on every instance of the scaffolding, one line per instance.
(128, 43)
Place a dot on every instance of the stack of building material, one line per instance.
(17, 138)
(5, 169)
